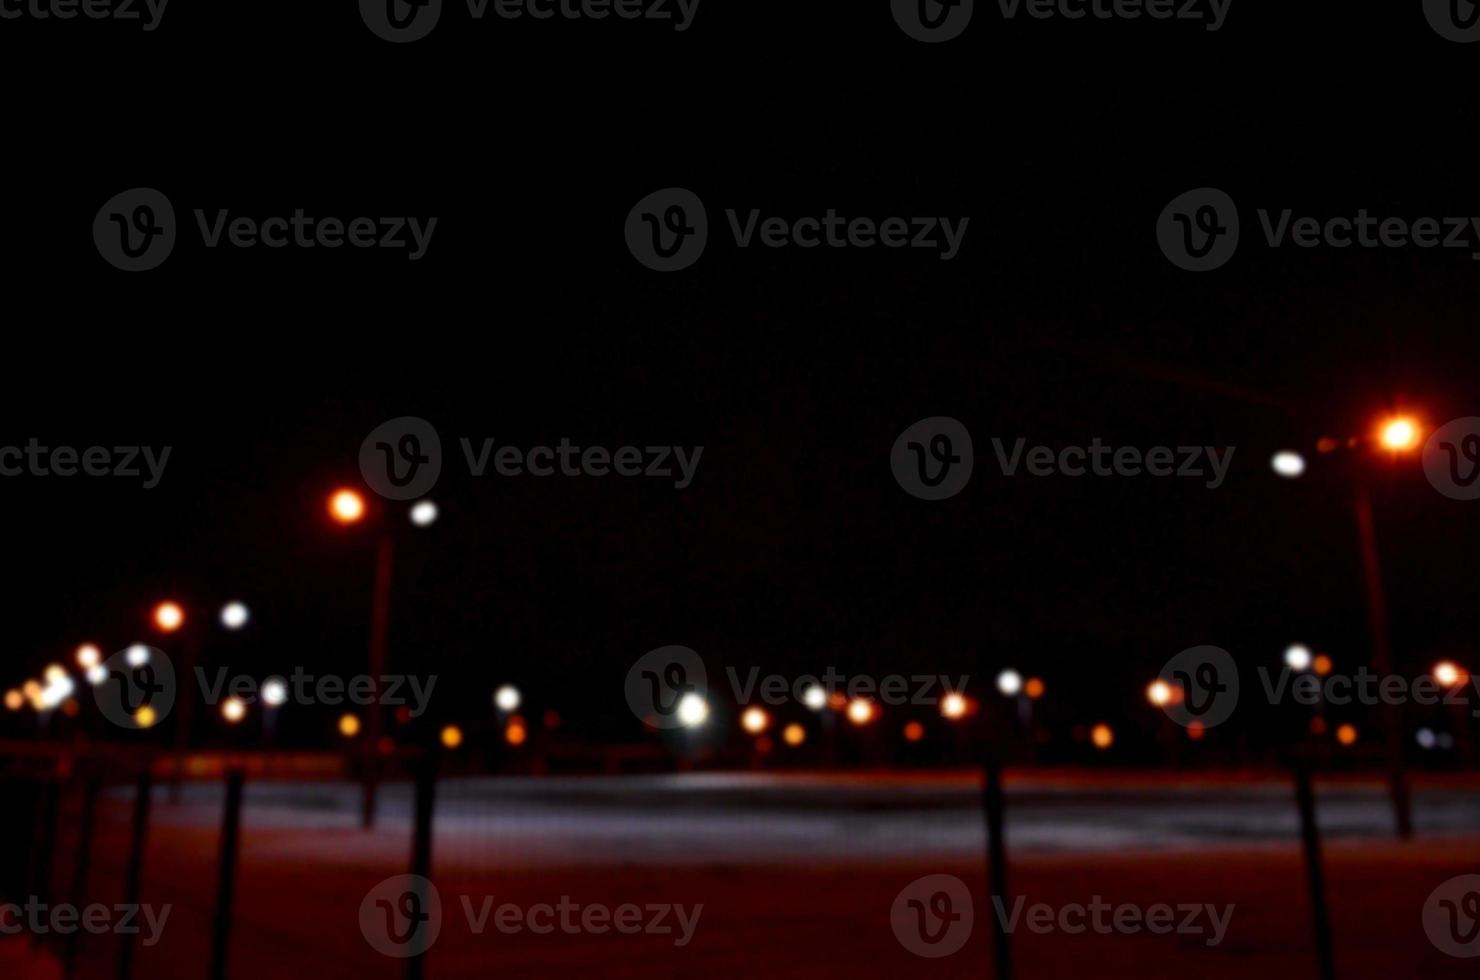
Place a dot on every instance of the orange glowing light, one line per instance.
(1450, 674)
(1034, 688)
(452, 737)
(233, 710)
(516, 733)
(953, 706)
(14, 700)
(1321, 665)
(346, 506)
(914, 731)
(861, 712)
(1196, 730)
(349, 726)
(1103, 736)
(1160, 693)
(793, 735)
(145, 717)
(755, 720)
(89, 656)
(837, 701)
(1399, 434)
(1347, 734)
(168, 616)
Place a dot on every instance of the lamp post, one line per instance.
(170, 617)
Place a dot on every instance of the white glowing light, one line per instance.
(507, 698)
(1009, 682)
(815, 698)
(275, 692)
(234, 615)
(423, 513)
(1288, 465)
(1298, 657)
(693, 710)
(137, 655)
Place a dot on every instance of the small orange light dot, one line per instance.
(346, 506)
(516, 733)
(349, 726)
(1346, 735)
(793, 734)
(168, 616)
(1102, 736)
(1034, 688)
(452, 737)
(1322, 665)
(914, 731)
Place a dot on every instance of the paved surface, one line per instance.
(739, 818)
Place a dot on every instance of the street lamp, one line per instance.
(1399, 433)
(507, 698)
(1298, 657)
(348, 507)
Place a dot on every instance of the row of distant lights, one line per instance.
(693, 710)
(1396, 435)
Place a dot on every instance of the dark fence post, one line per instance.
(421, 844)
(226, 878)
(43, 841)
(1315, 875)
(142, 800)
(993, 802)
(78, 895)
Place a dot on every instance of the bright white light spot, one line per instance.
(953, 706)
(137, 655)
(507, 698)
(423, 513)
(1009, 682)
(55, 674)
(233, 710)
(1288, 464)
(1298, 657)
(693, 710)
(56, 692)
(815, 698)
(89, 656)
(234, 615)
(97, 675)
(755, 720)
(275, 692)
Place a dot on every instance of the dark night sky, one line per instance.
(529, 321)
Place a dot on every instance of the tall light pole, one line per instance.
(347, 507)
